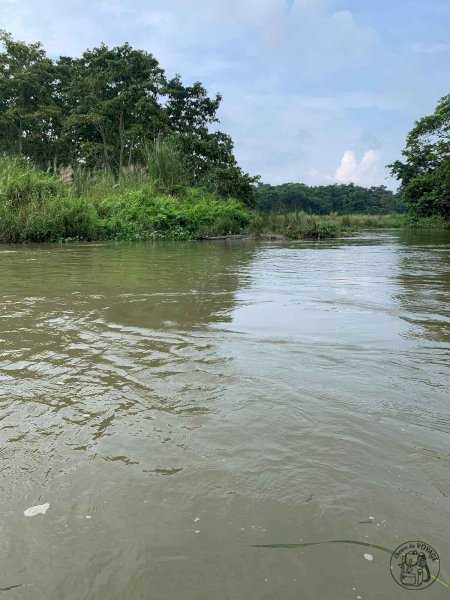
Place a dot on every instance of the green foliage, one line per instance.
(209, 215)
(298, 225)
(211, 164)
(37, 207)
(98, 182)
(425, 173)
(188, 108)
(142, 215)
(28, 110)
(111, 98)
(314, 230)
(104, 111)
(326, 199)
(54, 220)
(429, 193)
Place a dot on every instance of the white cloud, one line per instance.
(366, 172)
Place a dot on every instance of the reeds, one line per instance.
(165, 166)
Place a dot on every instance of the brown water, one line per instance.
(176, 404)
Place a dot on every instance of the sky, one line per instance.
(317, 91)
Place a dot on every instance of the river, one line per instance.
(178, 404)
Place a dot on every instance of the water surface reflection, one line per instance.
(177, 403)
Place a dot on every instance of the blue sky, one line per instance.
(317, 91)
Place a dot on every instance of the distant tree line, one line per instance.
(99, 111)
(424, 177)
(326, 199)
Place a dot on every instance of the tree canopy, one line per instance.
(99, 111)
(425, 172)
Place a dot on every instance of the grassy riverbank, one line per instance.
(38, 207)
(300, 225)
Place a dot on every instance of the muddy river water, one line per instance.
(179, 404)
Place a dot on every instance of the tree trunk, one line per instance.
(105, 148)
(20, 136)
(122, 140)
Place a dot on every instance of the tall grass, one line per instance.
(141, 215)
(165, 166)
(38, 207)
(22, 183)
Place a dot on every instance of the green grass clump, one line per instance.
(435, 222)
(21, 183)
(299, 225)
(165, 166)
(56, 219)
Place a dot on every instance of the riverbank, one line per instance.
(38, 207)
(299, 225)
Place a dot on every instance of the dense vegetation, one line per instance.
(424, 178)
(100, 112)
(326, 199)
(37, 206)
(425, 173)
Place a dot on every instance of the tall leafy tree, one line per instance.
(113, 95)
(209, 155)
(27, 108)
(425, 172)
(189, 108)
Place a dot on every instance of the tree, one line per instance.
(211, 164)
(189, 109)
(103, 109)
(27, 109)
(113, 98)
(429, 193)
(425, 174)
(209, 156)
